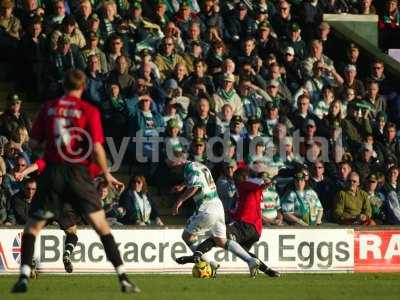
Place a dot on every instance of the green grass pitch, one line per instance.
(176, 287)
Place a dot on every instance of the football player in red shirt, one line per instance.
(70, 132)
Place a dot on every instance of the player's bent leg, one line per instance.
(71, 240)
(99, 223)
(192, 242)
(32, 229)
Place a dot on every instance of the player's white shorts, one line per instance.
(209, 220)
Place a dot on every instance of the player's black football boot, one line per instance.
(190, 259)
(67, 264)
(272, 273)
(128, 286)
(21, 286)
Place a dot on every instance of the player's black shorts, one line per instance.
(243, 233)
(68, 217)
(60, 184)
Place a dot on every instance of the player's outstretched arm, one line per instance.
(187, 194)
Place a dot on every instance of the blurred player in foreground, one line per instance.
(70, 132)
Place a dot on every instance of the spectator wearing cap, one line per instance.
(392, 191)
(70, 28)
(352, 206)
(239, 24)
(273, 95)
(14, 116)
(295, 41)
(266, 43)
(199, 75)
(226, 188)
(121, 76)
(300, 204)
(201, 116)
(167, 59)
(356, 126)
(227, 94)
(292, 67)
(376, 198)
(33, 52)
(377, 101)
(92, 48)
(351, 81)
(389, 147)
(95, 80)
(283, 20)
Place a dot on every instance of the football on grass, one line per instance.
(202, 270)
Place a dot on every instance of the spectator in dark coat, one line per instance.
(389, 147)
(20, 203)
(121, 76)
(239, 25)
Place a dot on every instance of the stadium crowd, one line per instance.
(320, 115)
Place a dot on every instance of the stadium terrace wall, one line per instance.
(148, 251)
